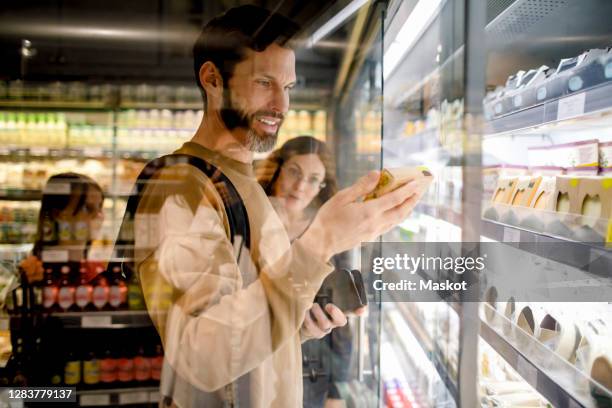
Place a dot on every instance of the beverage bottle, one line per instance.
(125, 367)
(135, 297)
(84, 292)
(100, 291)
(17, 373)
(157, 363)
(91, 369)
(64, 232)
(49, 229)
(108, 368)
(72, 369)
(142, 366)
(66, 291)
(118, 290)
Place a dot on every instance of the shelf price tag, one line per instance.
(94, 400)
(512, 235)
(57, 188)
(39, 151)
(126, 398)
(93, 152)
(54, 255)
(571, 106)
(527, 371)
(154, 397)
(96, 321)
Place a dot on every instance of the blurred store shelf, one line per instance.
(118, 396)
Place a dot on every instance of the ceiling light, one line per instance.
(415, 25)
(335, 22)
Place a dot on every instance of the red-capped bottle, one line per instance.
(108, 368)
(66, 291)
(125, 367)
(50, 292)
(157, 363)
(142, 366)
(118, 291)
(84, 292)
(100, 291)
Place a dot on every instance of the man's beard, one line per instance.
(237, 118)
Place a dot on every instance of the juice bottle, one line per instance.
(118, 290)
(84, 292)
(100, 291)
(135, 297)
(91, 369)
(108, 368)
(142, 366)
(157, 363)
(66, 291)
(50, 292)
(72, 369)
(125, 367)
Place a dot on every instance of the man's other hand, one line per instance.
(317, 324)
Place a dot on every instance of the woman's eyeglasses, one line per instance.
(295, 174)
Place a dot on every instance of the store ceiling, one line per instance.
(141, 40)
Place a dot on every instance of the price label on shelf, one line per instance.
(154, 397)
(94, 400)
(39, 151)
(126, 398)
(57, 188)
(571, 106)
(54, 255)
(527, 371)
(93, 151)
(512, 235)
(96, 321)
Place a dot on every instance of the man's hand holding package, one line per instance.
(344, 221)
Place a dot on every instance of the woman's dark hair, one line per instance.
(59, 191)
(225, 39)
(295, 147)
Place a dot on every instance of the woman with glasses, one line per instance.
(299, 177)
(70, 218)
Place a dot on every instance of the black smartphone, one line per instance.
(344, 288)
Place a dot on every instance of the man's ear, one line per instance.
(211, 80)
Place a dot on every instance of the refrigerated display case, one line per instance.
(450, 84)
(508, 104)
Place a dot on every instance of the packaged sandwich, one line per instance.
(391, 179)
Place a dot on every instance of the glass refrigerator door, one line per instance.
(354, 134)
(427, 347)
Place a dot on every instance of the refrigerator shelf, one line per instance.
(553, 377)
(121, 319)
(119, 396)
(558, 111)
(590, 257)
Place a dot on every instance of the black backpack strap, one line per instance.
(234, 207)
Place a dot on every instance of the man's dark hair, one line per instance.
(224, 40)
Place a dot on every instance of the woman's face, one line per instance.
(300, 180)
